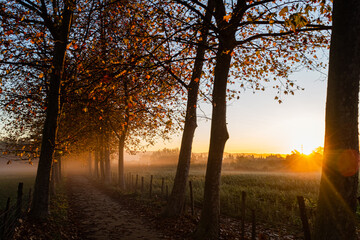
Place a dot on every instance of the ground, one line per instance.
(98, 212)
(101, 217)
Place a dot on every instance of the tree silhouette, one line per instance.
(339, 180)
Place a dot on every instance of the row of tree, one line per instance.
(294, 162)
(76, 75)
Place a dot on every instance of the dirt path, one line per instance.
(100, 217)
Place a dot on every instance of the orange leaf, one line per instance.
(227, 18)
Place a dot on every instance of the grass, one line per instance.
(271, 195)
(9, 185)
(59, 218)
(57, 226)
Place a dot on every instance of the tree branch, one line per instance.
(280, 34)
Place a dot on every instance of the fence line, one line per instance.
(12, 213)
(252, 221)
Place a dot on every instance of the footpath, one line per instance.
(99, 217)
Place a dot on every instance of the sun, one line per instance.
(307, 150)
(306, 139)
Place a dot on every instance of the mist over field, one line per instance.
(86, 87)
(16, 166)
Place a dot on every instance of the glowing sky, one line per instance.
(258, 124)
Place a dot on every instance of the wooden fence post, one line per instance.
(243, 205)
(19, 200)
(303, 217)
(162, 187)
(191, 198)
(151, 182)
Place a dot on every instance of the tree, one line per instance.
(255, 28)
(118, 87)
(56, 20)
(339, 180)
(254, 36)
(177, 197)
(60, 30)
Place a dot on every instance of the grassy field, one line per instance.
(271, 195)
(9, 184)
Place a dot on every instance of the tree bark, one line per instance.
(102, 158)
(122, 137)
(121, 177)
(60, 32)
(55, 167)
(90, 163)
(96, 166)
(52, 181)
(40, 203)
(339, 181)
(107, 159)
(56, 171)
(208, 227)
(59, 167)
(177, 197)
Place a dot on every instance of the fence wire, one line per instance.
(9, 218)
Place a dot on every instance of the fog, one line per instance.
(16, 166)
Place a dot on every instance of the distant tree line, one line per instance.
(296, 161)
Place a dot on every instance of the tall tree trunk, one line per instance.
(52, 180)
(40, 203)
(339, 180)
(122, 137)
(90, 163)
(121, 177)
(107, 159)
(208, 227)
(60, 32)
(56, 171)
(102, 158)
(56, 167)
(177, 196)
(96, 166)
(59, 167)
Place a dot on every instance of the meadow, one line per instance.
(271, 194)
(9, 184)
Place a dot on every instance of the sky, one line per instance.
(259, 124)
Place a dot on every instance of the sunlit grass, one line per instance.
(271, 195)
